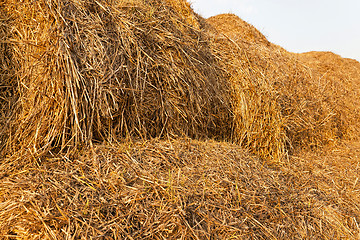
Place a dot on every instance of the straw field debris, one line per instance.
(179, 189)
(107, 70)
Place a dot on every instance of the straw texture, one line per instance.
(282, 102)
(179, 189)
(139, 119)
(104, 70)
(7, 81)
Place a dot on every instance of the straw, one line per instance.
(106, 70)
(178, 189)
(280, 102)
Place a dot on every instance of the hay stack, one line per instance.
(183, 189)
(236, 28)
(103, 70)
(341, 81)
(89, 71)
(279, 103)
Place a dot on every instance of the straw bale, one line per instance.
(186, 12)
(179, 189)
(279, 103)
(105, 70)
(341, 79)
(235, 28)
(7, 83)
(111, 71)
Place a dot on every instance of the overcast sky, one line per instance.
(297, 25)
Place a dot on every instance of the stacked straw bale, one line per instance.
(103, 70)
(76, 71)
(108, 70)
(236, 28)
(340, 78)
(279, 103)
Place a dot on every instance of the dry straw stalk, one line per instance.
(105, 70)
(109, 80)
(281, 102)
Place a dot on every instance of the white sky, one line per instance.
(297, 25)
